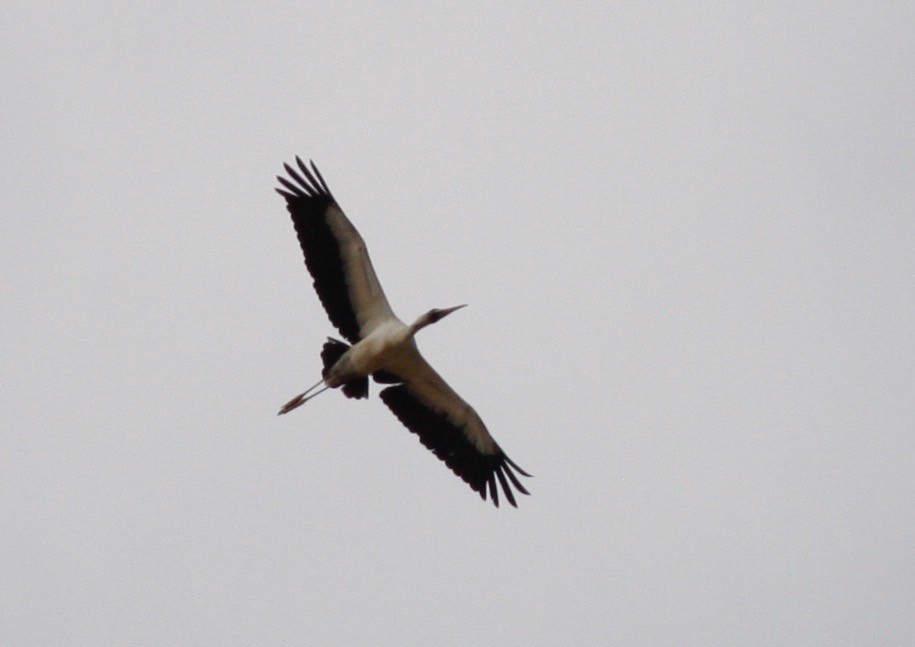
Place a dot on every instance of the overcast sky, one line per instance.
(687, 238)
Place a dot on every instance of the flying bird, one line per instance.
(382, 346)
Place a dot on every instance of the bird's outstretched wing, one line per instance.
(452, 430)
(335, 254)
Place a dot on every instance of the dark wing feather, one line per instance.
(384, 377)
(450, 443)
(335, 254)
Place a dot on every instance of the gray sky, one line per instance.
(686, 234)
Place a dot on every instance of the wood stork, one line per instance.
(383, 345)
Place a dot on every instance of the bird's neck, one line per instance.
(419, 324)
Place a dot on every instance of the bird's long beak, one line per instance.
(447, 311)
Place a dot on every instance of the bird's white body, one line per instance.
(383, 346)
(385, 349)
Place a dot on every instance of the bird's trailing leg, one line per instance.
(302, 398)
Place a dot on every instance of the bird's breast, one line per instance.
(379, 349)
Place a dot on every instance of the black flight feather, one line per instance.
(383, 377)
(308, 201)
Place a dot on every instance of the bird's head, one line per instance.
(436, 314)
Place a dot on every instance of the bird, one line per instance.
(382, 346)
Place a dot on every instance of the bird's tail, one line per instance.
(333, 350)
